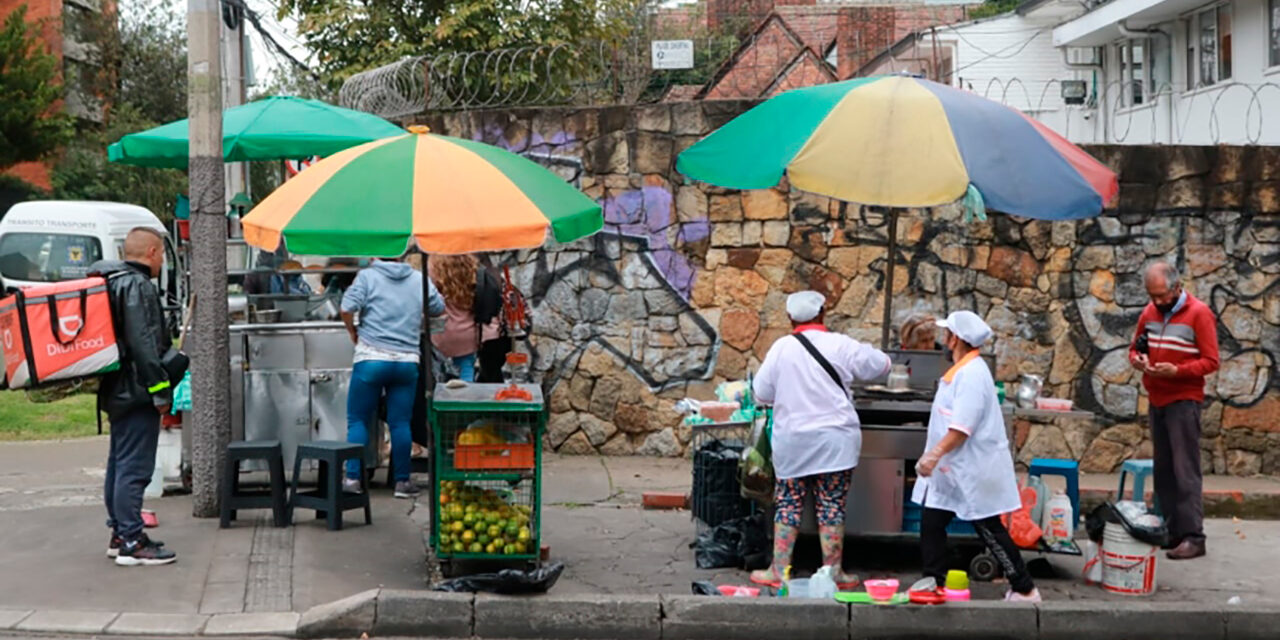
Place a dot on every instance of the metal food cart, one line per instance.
(894, 433)
(486, 492)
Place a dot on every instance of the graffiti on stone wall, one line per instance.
(625, 289)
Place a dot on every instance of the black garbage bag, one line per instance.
(716, 495)
(1096, 522)
(705, 588)
(506, 582)
(741, 543)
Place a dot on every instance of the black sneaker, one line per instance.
(144, 552)
(113, 548)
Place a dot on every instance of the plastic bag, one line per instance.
(506, 582)
(755, 470)
(182, 395)
(705, 588)
(1092, 563)
(1142, 525)
(1024, 531)
(742, 543)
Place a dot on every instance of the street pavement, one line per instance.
(53, 541)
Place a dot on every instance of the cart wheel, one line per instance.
(984, 567)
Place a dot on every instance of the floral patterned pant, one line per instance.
(830, 492)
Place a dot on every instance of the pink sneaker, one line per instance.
(1014, 596)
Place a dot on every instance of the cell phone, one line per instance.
(1142, 345)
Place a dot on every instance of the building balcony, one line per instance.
(1101, 25)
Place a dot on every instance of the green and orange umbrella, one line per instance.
(441, 194)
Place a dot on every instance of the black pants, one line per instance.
(1175, 439)
(933, 546)
(130, 463)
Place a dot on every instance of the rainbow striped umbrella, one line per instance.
(900, 141)
(445, 194)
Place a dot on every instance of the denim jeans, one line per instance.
(369, 380)
(466, 367)
(130, 463)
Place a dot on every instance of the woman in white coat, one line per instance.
(966, 471)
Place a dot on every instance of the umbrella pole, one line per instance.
(425, 384)
(888, 278)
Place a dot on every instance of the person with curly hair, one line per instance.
(473, 306)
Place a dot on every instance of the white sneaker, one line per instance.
(1014, 596)
(351, 485)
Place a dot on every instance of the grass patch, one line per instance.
(67, 417)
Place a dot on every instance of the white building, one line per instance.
(1010, 58)
(1150, 71)
(1184, 71)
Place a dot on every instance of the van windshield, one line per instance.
(47, 257)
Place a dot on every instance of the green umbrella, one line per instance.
(275, 128)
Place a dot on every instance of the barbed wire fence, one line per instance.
(754, 63)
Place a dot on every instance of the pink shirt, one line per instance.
(459, 335)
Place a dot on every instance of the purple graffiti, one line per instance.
(648, 213)
(533, 143)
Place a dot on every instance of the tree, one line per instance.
(84, 173)
(31, 126)
(143, 80)
(350, 36)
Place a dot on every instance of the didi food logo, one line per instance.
(70, 326)
(8, 339)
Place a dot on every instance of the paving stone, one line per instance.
(280, 623)
(9, 617)
(158, 624)
(578, 617)
(417, 613)
(987, 620)
(703, 618)
(58, 621)
(1073, 620)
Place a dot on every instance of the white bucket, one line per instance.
(1128, 565)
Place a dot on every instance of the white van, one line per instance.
(54, 240)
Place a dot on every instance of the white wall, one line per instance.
(1010, 59)
(1242, 110)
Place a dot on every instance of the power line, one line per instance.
(256, 21)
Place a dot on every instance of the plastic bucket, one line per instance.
(1128, 565)
(798, 588)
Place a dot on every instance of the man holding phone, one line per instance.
(1175, 347)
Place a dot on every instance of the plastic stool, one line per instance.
(1140, 470)
(234, 498)
(329, 500)
(1068, 469)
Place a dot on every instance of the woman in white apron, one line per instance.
(966, 470)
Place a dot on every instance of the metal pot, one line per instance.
(1028, 390)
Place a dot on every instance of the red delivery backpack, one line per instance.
(56, 332)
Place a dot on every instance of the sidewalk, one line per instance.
(53, 545)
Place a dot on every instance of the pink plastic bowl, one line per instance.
(881, 590)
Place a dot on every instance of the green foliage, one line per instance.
(45, 416)
(351, 36)
(993, 8)
(30, 127)
(85, 174)
(153, 62)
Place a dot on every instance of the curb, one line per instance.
(1250, 505)
(387, 612)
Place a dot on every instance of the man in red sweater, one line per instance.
(1175, 347)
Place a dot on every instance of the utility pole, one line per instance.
(210, 353)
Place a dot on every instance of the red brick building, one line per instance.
(798, 43)
(60, 24)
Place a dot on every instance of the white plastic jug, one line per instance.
(1058, 521)
(823, 583)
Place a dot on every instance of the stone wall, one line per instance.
(685, 287)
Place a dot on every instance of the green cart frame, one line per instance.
(519, 487)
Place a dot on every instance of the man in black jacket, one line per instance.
(136, 395)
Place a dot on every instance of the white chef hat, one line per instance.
(967, 326)
(804, 306)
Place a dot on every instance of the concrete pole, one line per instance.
(210, 366)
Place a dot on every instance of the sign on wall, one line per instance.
(672, 54)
